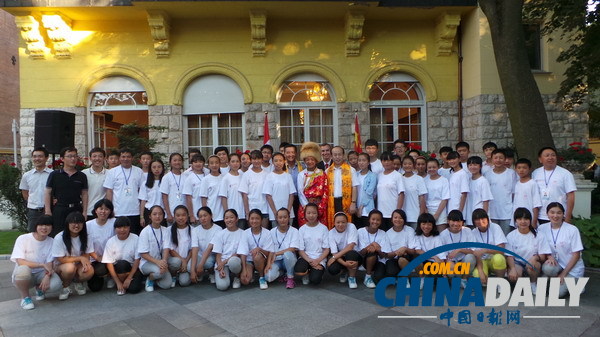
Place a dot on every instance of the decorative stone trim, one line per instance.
(355, 21)
(159, 29)
(59, 30)
(258, 31)
(308, 67)
(404, 67)
(445, 32)
(30, 32)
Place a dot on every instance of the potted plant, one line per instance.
(576, 158)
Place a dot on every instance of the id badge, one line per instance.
(178, 196)
(128, 192)
(545, 195)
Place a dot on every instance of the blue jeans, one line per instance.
(287, 263)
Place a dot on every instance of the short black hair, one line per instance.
(445, 149)
(489, 145)
(255, 154)
(41, 149)
(475, 160)
(399, 141)
(546, 148)
(288, 145)
(386, 155)
(268, 147)
(462, 144)
(148, 153)
(64, 150)
(221, 148)
(524, 161)
(501, 151)
(371, 142)
(122, 221)
(98, 150)
(198, 157)
(509, 153)
(125, 150)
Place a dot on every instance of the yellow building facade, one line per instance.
(209, 71)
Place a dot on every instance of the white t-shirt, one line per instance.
(152, 241)
(282, 241)
(313, 240)
(226, 243)
(338, 241)
(400, 239)
(229, 188)
(503, 187)
(252, 184)
(493, 236)
(526, 245)
(554, 186)
(172, 186)
(563, 242)
(191, 187)
(116, 249)
(100, 234)
(459, 183)
(279, 186)
(427, 243)
(29, 249)
(389, 187)
(201, 237)
(377, 167)
(445, 172)
(365, 238)
(125, 184)
(184, 241)
(210, 189)
(34, 181)
(59, 249)
(152, 196)
(447, 237)
(224, 170)
(250, 241)
(96, 190)
(479, 192)
(437, 190)
(414, 187)
(526, 195)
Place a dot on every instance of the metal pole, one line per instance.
(15, 130)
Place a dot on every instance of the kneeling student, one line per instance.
(180, 250)
(153, 251)
(488, 232)
(314, 247)
(255, 249)
(342, 241)
(122, 259)
(203, 258)
(401, 237)
(225, 245)
(374, 248)
(285, 241)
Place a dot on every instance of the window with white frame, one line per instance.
(307, 110)
(213, 106)
(397, 111)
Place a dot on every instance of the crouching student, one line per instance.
(255, 250)
(427, 238)
(225, 245)
(32, 255)
(122, 259)
(100, 229)
(153, 251)
(401, 238)
(457, 233)
(180, 250)
(344, 259)
(285, 242)
(526, 243)
(565, 243)
(72, 248)
(203, 258)
(488, 232)
(314, 247)
(373, 246)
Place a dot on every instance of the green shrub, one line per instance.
(590, 235)
(11, 199)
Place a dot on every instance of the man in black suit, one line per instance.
(326, 155)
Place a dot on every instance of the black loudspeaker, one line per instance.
(54, 129)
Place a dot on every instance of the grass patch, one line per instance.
(7, 240)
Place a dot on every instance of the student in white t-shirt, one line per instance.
(566, 246)
(255, 250)
(203, 258)
(172, 186)
(313, 248)
(371, 148)
(374, 247)
(459, 183)
(209, 190)
(99, 230)
(180, 249)
(32, 255)
(225, 245)
(150, 191)
(445, 171)
(527, 244)
(390, 190)
(286, 244)
(527, 192)
(229, 189)
(488, 165)
(251, 187)
(427, 238)
(154, 252)
(279, 189)
(122, 259)
(502, 183)
(438, 194)
(400, 237)
(480, 193)
(344, 259)
(191, 188)
(71, 249)
(415, 192)
(488, 260)
(457, 232)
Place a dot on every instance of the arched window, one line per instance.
(213, 106)
(307, 110)
(398, 110)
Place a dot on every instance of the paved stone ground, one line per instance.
(329, 310)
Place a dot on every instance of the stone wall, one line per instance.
(170, 116)
(442, 124)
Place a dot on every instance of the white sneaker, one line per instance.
(262, 282)
(27, 303)
(236, 283)
(110, 283)
(64, 294)
(534, 287)
(343, 278)
(369, 282)
(39, 295)
(173, 281)
(79, 288)
(149, 285)
(305, 279)
(211, 278)
(120, 292)
(352, 283)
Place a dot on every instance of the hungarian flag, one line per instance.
(267, 138)
(357, 141)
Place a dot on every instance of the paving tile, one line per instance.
(182, 318)
(204, 330)
(151, 325)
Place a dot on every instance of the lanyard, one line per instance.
(460, 237)
(547, 181)
(126, 177)
(557, 234)
(156, 238)
(177, 183)
(254, 238)
(277, 239)
(197, 176)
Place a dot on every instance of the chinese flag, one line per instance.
(357, 141)
(267, 138)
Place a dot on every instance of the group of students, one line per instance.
(365, 212)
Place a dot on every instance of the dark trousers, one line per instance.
(378, 269)
(97, 281)
(59, 214)
(314, 275)
(32, 216)
(336, 267)
(136, 285)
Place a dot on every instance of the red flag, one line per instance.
(266, 138)
(357, 141)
